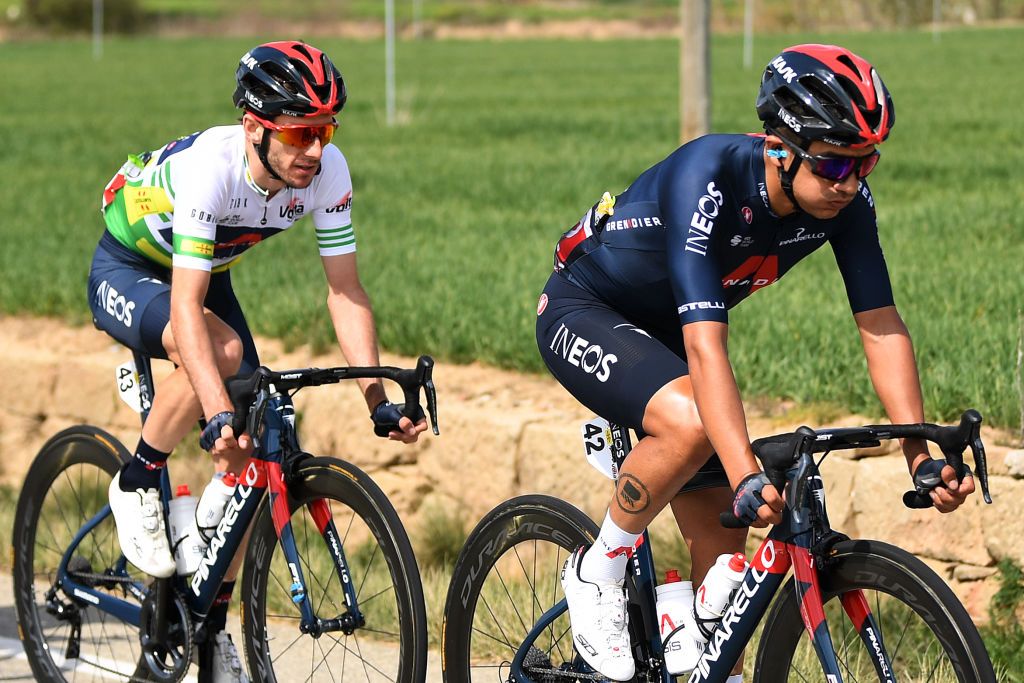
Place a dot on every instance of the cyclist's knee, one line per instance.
(671, 415)
(229, 352)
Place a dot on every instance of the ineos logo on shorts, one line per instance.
(588, 357)
(114, 303)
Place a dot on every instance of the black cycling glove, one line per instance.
(211, 432)
(748, 497)
(386, 415)
(928, 475)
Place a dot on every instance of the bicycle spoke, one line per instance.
(848, 670)
(495, 639)
(366, 572)
(285, 616)
(533, 615)
(903, 634)
(323, 661)
(557, 644)
(281, 653)
(533, 590)
(931, 673)
(512, 601)
(365, 601)
(360, 654)
(375, 630)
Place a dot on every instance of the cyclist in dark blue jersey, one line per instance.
(718, 219)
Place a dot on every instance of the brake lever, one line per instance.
(255, 417)
(424, 378)
(970, 426)
(978, 451)
(430, 393)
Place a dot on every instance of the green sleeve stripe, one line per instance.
(331, 231)
(165, 217)
(335, 236)
(198, 247)
(324, 244)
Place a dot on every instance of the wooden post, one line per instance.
(694, 69)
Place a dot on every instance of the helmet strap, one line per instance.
(786, 180)
(786, 177)
(261, 152)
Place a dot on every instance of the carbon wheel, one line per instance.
(65, 637)
(925, 631)
(392, 643)
(505, 578)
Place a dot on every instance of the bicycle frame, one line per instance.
(266, 472)
(799, 542)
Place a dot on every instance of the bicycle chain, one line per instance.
(574, 675)
(101, 578)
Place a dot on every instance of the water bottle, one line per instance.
(676, 623)
(713, 595)
(187, 549)
(210, 509)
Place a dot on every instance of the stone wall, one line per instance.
(502, 434)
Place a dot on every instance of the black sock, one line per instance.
(143, 471)
(217, 619)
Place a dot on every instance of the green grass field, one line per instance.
(502, 146)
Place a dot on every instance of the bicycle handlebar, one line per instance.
(249, 394)
(781, 452)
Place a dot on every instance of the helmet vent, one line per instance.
(301, 48)
(792, 104)
(852, 91)
(281, 76)
(845, 60)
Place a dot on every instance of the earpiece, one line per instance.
(778, 153)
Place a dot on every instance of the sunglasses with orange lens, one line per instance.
(300, 135)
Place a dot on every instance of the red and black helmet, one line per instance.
(827, 93)
(290, 78)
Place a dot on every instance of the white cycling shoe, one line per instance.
(597, 615)
(225, 666)
(141, 531)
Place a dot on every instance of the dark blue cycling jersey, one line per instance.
(694, 234)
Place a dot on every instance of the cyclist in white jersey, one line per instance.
(177, 219)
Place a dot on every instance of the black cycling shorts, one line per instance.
(608, 363)
(130, 299)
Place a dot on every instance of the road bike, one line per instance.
(330, 588)
(855, 610)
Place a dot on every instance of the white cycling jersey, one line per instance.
(193, 203)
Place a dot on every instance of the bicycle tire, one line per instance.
(73, 468)
(523, 519)
(912, 586)
(353, 495)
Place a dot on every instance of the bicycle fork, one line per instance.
(320, 511)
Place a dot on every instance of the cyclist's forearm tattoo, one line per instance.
(631, 495)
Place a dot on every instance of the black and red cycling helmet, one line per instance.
(827, 93)
(288, 77)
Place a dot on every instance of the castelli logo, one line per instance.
(542, 303)
(748, 215)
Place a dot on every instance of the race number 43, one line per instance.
(127, 377)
